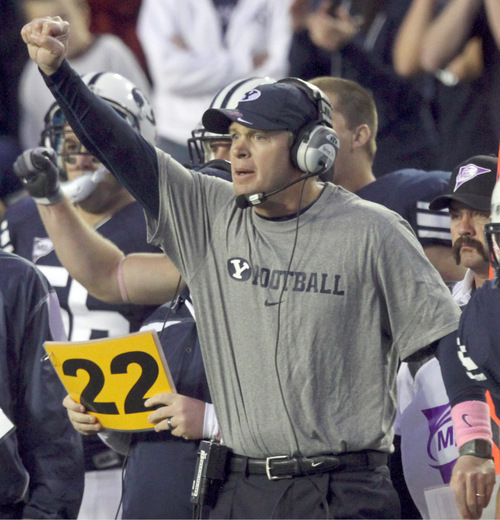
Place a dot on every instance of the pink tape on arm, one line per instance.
(121, 282)
(471, 420)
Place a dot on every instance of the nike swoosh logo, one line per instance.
(270, 304)
(241, 120)
(465, 420)
(314, 464)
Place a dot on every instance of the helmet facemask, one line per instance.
(200, 151)
(492, 232)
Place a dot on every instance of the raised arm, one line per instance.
(448, 33)
(91, 259)
(95, 262)
(104, 133)
(408, 42)
(493, 13)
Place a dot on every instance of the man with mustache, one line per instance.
(428, 448)
(468, 201)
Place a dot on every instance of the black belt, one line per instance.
(283, 466)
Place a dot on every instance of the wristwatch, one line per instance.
(478, 448)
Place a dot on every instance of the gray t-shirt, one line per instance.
(320, 367)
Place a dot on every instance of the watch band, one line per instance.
(478, 448)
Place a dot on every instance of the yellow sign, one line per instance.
(113, 377)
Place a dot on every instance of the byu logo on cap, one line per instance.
(251, 95)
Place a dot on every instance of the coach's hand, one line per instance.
(47, 41)
(37, 169)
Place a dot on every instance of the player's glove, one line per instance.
(37, 169)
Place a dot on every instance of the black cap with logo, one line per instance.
(471, 183)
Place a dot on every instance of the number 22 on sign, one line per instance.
(113, 377)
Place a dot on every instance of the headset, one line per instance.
(316, 144)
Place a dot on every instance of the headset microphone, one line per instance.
(254, 199)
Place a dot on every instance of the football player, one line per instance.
(470, 367)
(105, 205)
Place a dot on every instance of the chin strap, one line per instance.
(83, 186)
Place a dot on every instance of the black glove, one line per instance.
(37, 169)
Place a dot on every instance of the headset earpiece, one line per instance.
(315, 149)
(316, 144)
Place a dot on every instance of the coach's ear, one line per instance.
(360, 136)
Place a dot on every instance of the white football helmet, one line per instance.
(227, 97)
(492, 230)
(126, 99)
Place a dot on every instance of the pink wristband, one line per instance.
(121, 281)
(471, 420)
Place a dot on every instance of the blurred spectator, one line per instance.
(196, 47)
(86, 53)
(14, 56)
(444, 40)
(357, 45)
(462, 113)
(118, 17)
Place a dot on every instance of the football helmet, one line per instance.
(126, 99)
(492, 230)
(227, 97)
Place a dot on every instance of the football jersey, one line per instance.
(478, 341)
(41, 460)
(85, 317)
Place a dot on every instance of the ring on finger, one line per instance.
(480, 494)
(169, 422)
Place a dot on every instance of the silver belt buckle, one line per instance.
(268, 467)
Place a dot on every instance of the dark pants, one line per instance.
(340, 494)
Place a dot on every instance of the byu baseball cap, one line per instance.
(471, 183)
(277, 106)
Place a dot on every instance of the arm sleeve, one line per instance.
(107, 136)
(459, 386)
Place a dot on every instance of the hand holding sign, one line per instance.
(114, 377)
